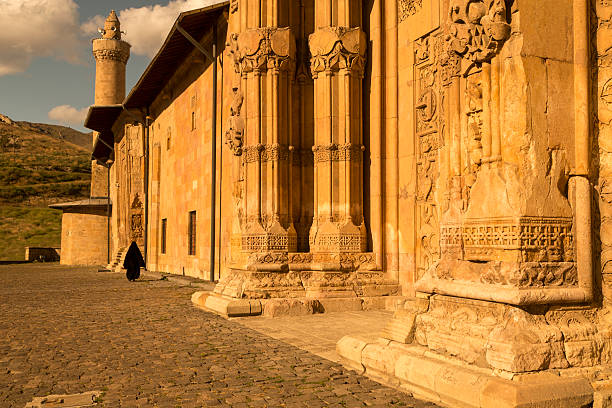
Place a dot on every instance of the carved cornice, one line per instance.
(337, 48)
(336, 152)
(113, 55)
(262, 49)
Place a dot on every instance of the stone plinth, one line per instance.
(334, 281)
(452, 383)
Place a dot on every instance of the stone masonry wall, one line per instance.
(84, 237)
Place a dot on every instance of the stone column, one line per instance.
(338, 49)
(261, 131)
(111, 54)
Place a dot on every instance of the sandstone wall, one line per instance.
(84, 237)
(180, 168)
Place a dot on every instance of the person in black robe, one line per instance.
(133, 262)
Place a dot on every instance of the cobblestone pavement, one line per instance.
(71, 330)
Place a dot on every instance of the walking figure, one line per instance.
(133, 262)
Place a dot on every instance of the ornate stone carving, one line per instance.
(422, 50)
(336, 48)
(526, 239)
(478, 28)
(234, 6)
(136, 203)
(428, 115)
(339, 242)
(407, 8)
(136, 226)
(264, 241)
(473, 97)
(262, 49)
(336, 152)
(113, 55)
(234, 135)
(265, 153)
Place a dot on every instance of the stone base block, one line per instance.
(454, 384)
(401, 328)
(603, 398)
(227, 306)
(231, 307)
(258, 284)
(86, 399)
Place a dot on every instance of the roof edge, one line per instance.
(172, 31)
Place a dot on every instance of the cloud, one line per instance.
(68, 115)
(37, 28)
(90, 27)
(147, 27)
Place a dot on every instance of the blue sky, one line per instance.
(45, 52)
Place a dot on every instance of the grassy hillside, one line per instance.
(39, 165)
(27, 226)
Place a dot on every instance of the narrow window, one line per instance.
(163, 235)
(192, 233)
(168, 141)
(193, 121)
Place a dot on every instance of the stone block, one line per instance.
(379, 357)
(602, 398)
(350, 350)
(291, 307)
(341, 304)
(459, 387)
(391, 303)
(233, 307)
(401, 328)
(199, 298)
(418, 375)
(544, 392)
(86, 399)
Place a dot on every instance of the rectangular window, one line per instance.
(193, 121)
(163, 235)
(192, 233)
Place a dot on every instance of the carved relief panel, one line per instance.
(428, 139)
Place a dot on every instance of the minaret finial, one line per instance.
(112, 27)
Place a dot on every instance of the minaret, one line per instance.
(111, 54)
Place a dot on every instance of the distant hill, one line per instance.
(40, 164)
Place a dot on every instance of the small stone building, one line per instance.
(445, 158)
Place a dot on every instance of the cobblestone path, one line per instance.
(71, 330)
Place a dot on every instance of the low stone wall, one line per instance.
(41, 254)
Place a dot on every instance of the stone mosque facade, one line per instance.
(449, 160)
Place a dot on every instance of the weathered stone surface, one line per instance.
(602, 398)
(291, 307)
(401, 328)
(232, 307)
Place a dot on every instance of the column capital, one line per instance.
(338, 48)
(263, 49)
